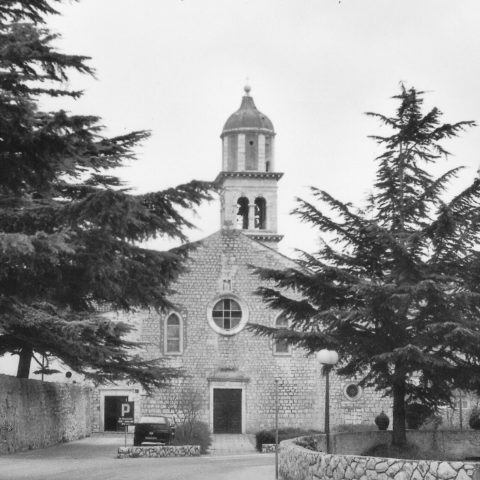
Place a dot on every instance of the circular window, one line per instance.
(352, 391)
(227, 315)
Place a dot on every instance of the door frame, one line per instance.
(129, 393)
(230, 385)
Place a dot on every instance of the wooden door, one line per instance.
(227, 410)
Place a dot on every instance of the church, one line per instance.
(230, 371)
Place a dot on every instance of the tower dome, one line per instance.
(247, 138)
(248, 117)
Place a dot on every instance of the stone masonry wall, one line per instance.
(298, 463)
(35, 414)
(159, 451)
(221, 265)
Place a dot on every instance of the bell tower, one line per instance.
(248, 181)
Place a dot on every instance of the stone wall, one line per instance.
(35, 414)
(243, 360)
(298, 463)
(159, 451)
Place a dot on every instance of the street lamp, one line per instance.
(328, 358)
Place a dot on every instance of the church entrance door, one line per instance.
(227, 410)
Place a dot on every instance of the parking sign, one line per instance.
(127, 409)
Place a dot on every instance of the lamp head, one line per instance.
(327, 357)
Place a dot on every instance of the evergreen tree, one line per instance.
(396, 292)
(69, 230)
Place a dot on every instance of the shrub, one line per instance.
(416, 414)
(308, 442)
(474, 420)
(268, 436)
(196, 433)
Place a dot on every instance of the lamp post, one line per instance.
(276, 429)
(328, 358)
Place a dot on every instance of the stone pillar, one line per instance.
(225, 159)
(241, 152)
(261, 153)
(251, 216)
(272, 149)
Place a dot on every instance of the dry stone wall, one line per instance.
(35, 414)
(298, 463)
(159, 451)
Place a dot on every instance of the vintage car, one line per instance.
(154, 429)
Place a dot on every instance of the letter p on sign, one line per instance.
(127, 410)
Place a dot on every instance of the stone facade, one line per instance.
(243, 361)
(231, 362)
(35, 414)
(298, 463)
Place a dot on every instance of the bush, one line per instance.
(196, 433)
(309, 443)
(474, 420)
(416, 414)
(268, 436)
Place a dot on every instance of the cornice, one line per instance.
(263, 237)
(248, 174)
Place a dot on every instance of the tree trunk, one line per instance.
(24, 361)
(399, 436)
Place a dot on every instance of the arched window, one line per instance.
(173, 335)
(242, 214)
(260, 213)
(281, 347)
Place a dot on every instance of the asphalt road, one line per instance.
(95, 459)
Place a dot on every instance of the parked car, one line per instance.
(154, 429)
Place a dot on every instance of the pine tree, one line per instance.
(70, 232)
(395, 289)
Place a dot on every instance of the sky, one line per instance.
(178, 67)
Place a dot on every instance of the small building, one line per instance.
(230, 372)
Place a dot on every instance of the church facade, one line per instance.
(229, 372)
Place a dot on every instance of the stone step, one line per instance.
(228, 444)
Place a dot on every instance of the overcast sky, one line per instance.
(178, 69)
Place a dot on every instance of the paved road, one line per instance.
(94, 459)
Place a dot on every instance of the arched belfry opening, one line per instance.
(260, 213)
(242, 213)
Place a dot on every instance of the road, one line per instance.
(95, 459)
